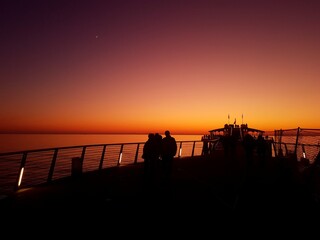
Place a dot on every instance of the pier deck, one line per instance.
(205, 186)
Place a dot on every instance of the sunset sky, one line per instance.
(139, 66)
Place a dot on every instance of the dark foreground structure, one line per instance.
(207, 186)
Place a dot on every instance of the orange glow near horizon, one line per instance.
(148, 67)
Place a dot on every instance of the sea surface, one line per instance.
(21, 142)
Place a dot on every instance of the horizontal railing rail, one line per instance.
(28, 168)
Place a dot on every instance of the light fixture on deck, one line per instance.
(120, 158)
(20, 176)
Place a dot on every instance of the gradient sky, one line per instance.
(140, 66)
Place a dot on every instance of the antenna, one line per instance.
(242, 118)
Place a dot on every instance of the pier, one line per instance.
(206, 186)
(210, 188)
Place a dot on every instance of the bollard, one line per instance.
(76, 169)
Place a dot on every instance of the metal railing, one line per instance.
(299, 143)
(34, 167)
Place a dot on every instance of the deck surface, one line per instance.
(206, 187)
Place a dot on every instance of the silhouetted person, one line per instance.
(150, 157)
(249, 145)
(169, 150)
(225, 143)
(229, 143)
(229, 147)
(205, 147)
(261, 149)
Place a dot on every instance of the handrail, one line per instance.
(23, 169)
(299, 143)
(67, 147)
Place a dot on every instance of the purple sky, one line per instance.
(137, 66)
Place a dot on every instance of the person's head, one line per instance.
(150, 135)
(167, 133)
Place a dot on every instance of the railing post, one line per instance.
(194, 144)
(21, 170)
(120, 155)
(137, 153)
(285, 146)
(83, 153)
(278, 143)
(297, 141)
(53, 163)
(102, 157)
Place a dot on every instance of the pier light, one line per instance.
(120, 158)
(303, 151)
(20, 176)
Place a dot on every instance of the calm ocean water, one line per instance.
(20, 142)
